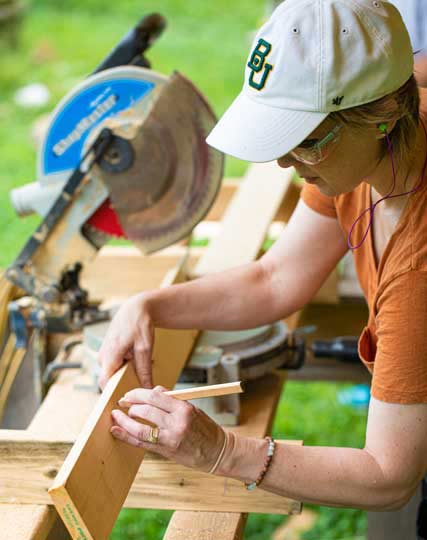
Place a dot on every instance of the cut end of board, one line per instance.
(69, 514)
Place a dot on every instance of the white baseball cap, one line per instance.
(310, 58)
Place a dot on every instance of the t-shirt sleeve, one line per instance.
(400, 367)
(317, 201)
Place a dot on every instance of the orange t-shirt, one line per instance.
(393, 345)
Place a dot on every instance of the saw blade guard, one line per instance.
(82, 112)
(174, 177)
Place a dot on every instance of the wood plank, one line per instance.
(7, 293)
(94, 476)
(19, 522)
(159, 483)
(124, 270)
(13, 363)
(247, 219)
(226, 193)
(229, 188)
(6, 358)
(206, 526)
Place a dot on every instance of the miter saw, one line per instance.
(124, 156)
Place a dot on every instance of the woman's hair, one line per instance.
(402, 104)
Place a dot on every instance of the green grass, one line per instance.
(60, 43)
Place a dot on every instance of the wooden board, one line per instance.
(124, 270)
(10, 362)
(206, 526)
(159, 483)
(229, 188)
(29, 522)
(247, 219)
(6, 293)
(99, 470)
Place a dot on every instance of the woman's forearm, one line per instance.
(231, 300)
(328, 476)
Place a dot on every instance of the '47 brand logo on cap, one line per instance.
(260, 68)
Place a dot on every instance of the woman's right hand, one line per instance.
(130, 336)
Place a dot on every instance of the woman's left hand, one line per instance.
(186, 434)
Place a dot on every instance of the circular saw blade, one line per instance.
(175, 176)
(79, 116)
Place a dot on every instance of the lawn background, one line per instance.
(59, 44)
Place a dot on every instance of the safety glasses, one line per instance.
(312, 153)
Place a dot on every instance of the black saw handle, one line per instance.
(341, 348)
(131, 48)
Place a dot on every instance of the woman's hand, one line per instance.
(130, 336)
(186, 434)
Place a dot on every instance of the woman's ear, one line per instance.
(385, 127)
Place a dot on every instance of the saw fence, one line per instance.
(207, 507)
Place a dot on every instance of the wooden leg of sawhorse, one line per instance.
(206, 525)
(397, 525)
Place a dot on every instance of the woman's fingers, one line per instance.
(143, 349)
(124, 436)
(129, 336)
(139, 432)
(111, 357)
(152, 414)
(155, 397)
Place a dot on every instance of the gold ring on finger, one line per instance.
(153, 437)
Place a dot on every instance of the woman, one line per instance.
(329, 90)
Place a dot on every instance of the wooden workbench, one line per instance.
(274, 193)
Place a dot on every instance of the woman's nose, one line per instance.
(286, 161)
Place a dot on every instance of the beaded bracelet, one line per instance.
(271, 447)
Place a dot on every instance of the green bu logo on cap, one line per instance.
(257, 63)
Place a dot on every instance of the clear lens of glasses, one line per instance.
(319, 151)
